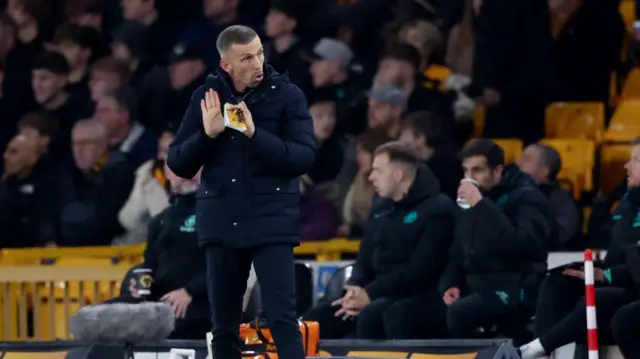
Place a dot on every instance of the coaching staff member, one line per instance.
(499, 255)
(247, 203)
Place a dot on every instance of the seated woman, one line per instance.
(176, 263)
(149, 197)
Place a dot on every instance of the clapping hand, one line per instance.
(212, 118)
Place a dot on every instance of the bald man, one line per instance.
(103, 184)
(543, 163)
(32, 193)
(19, 157)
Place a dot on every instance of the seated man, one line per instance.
(102, 185)
(543, 163)
(560, 316)
(117, 111)
(32, 193)
(176, 262)
(401, 258)
(500, 251)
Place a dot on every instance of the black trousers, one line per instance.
(194, 325)
(625, 327)
(227, 273)
(418, 317)
(560, 316)
(485, 309)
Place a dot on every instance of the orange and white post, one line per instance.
(590, 299)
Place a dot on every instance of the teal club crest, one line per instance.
(411, 217)
(189, 225)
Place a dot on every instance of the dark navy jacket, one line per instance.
(404, 249)
(250, 186)
(502, 242)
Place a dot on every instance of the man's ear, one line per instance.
(225, 65)
(499, 169)
(544, 171)
(45, 141)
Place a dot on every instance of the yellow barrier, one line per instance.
(33, 256)
(322, 250)
(37, 303)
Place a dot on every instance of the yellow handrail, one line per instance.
(322, 250)
(34, 255)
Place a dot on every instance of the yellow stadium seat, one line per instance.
(577, 162)
(437, 74)
(512, 148)
(612, 160)
(631, 88)
(625, 123)
(583, 120)
(478, 122)
(628, 11)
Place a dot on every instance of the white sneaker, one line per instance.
(532, 350)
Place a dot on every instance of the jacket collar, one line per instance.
(221, 81)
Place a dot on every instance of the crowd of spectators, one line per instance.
(93, 91)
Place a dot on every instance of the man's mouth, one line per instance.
(258, 77)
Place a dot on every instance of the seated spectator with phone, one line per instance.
(174, 266)
(402, 256)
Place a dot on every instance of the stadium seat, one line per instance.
(628, 11)
(583, 120)
(512, 148)
(631, 88)
(612, 160)
(624, 126)
(577, 163)
(438, 74)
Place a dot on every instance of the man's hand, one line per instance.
(352, 302)
(251, 128)
(451, 295)
(469, 192)
(360, 296)
(132, 289)
(212, 118)
(179, 300)
(598, 274)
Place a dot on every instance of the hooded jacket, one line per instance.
(404, 249)
(173, 252)
(249, 194)
(621, 268)
(502, 242)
